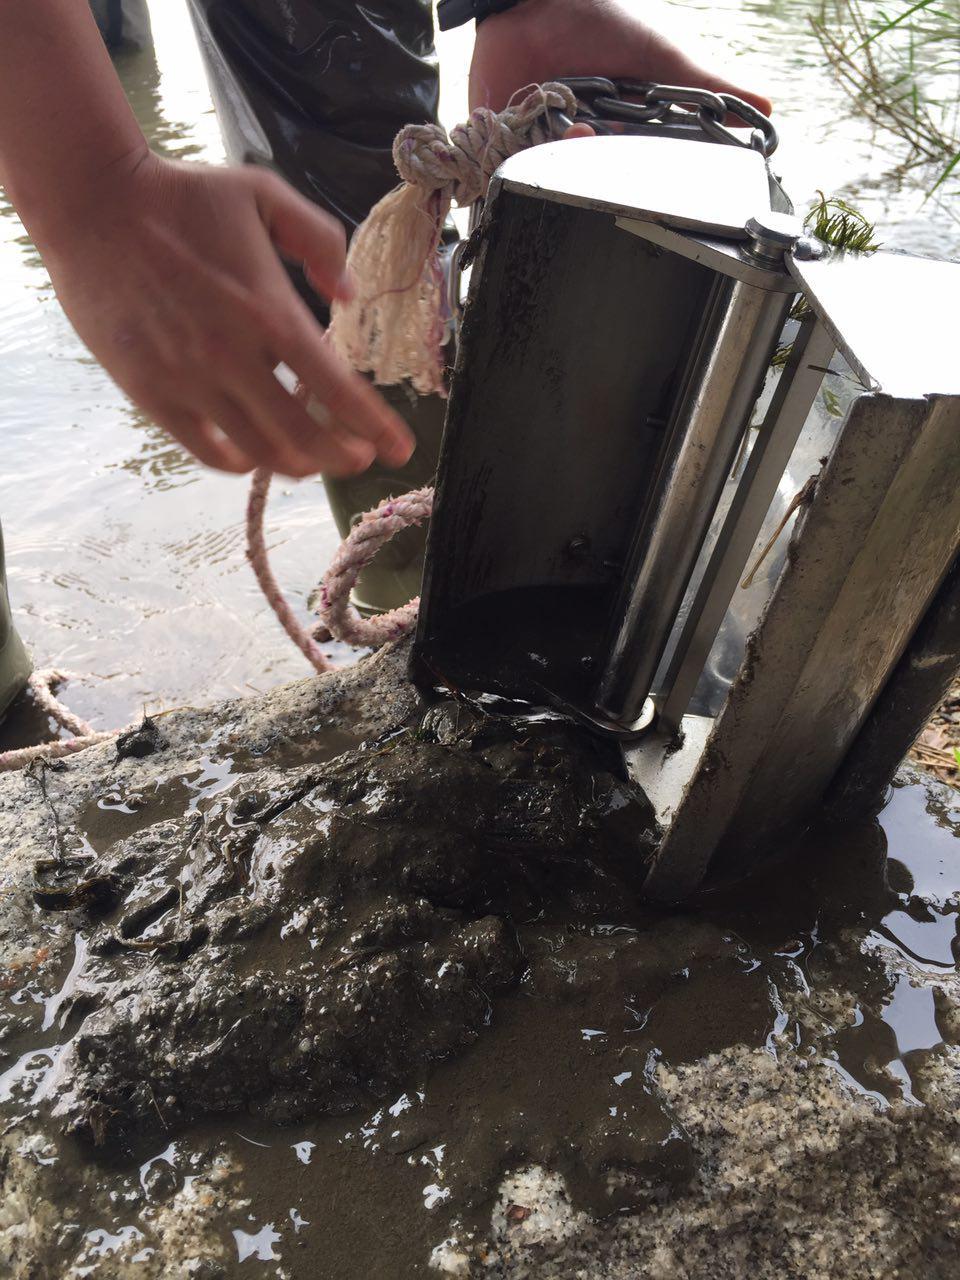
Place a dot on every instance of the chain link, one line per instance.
(648, 108)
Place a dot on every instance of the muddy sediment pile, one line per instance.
(320, 932)
(336, 982)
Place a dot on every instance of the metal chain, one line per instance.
(649, 108)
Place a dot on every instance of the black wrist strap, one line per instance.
(454, 13)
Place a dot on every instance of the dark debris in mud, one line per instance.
(143, 741)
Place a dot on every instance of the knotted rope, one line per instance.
(393, 328)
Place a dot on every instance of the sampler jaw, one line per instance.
(605, 381)
(616, 438)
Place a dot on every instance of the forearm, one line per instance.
(65, 124)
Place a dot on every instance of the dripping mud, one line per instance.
(336, 991)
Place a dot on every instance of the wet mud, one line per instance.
(369, 981)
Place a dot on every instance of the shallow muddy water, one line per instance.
(125, 557)
(359, 985)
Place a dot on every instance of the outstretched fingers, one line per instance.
(360, 426)
(305, 444)
(307, 235)
(203, 437)
(347, 397)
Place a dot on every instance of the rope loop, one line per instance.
(41, 684)
(371, 532)
(337, 614)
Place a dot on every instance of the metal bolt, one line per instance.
(771, 235)
(809, 249)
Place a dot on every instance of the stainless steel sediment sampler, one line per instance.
(612, 464)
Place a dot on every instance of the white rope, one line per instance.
(393, 328)
(42, 684)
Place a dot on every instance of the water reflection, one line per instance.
(140, 73)
(160, 462)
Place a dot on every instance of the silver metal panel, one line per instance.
(795, 393)
(894, 317)
(695, 185)
(574, 347)
(726, 377)
(725, 256)
(571, 342)
(865, 561)
(817, 439)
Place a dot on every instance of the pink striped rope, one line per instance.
(260, 564)
(356, 551)
(42, 684)
(364, 540)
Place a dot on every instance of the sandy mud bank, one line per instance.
(335, 982)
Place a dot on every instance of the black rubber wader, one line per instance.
(317, 90)
(124, 24)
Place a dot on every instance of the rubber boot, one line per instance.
(15, 665)
(124, 24)
(394, 576)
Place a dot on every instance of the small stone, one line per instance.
(160, 1180)
(141, 742)
(449, 1259)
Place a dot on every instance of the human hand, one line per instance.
(171, 276)
(538, 40)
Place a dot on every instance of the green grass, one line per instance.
(900, 62)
